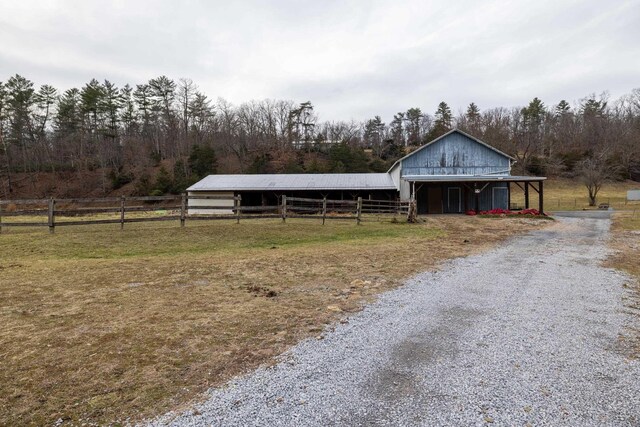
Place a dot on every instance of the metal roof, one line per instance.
(292, 182)
(471, 178)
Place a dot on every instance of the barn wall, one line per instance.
(455, 197)
(456, 154)
(193, 204)
(490, 198)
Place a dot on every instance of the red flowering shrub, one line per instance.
(505, 212)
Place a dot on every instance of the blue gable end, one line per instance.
(456, 154)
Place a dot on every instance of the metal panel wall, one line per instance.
(487, 199)
(456, 154)
(195, 203)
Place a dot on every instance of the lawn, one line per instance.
(565, 194)
(100, 325)
(626, 245)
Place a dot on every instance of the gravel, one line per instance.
(524, 334)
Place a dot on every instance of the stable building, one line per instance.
(451, 174)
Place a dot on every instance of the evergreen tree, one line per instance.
(474, 119)
(397, 129)
(413, 118)
(20, 101)
(202, 161)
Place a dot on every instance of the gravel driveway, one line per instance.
(525, 334)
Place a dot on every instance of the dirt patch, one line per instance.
(100, 326)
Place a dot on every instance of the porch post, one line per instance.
(541, 197)
(526, 194)
(476, 194)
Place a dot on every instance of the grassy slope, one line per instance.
(98, 324)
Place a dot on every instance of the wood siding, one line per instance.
(455, 154)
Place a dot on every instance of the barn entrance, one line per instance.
(434, 200)
(473, 193)
(439, 198)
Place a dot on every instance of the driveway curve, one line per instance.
(526, 334)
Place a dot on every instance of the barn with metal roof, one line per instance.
(451, 174)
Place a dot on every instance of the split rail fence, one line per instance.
(122, 210)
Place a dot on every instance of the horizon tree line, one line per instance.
(170, 131)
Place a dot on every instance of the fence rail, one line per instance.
(65, 212)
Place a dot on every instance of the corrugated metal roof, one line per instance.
(471, 178)
(293, 182)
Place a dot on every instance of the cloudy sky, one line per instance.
(351, 58)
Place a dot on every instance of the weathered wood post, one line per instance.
(183, 209)
(324, 209)
(236, 204)
(284, 208)
(541, 197)
(0, 216)
(51, 219)
(526, 194)
(411, 210)
(359, 210)
(122, 204)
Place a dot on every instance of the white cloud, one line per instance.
(353, 59)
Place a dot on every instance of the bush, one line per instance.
(119, 178)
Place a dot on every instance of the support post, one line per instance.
(183, 209)
(476, 195)
(540, 197)
(359, 210)
(236, 204)
(51, 219)
(526, 194)
(122, 204)
(284, 208)
(0, 217)
(324, 209)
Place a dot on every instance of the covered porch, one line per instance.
(459, 194)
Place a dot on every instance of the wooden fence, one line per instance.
(65, 212)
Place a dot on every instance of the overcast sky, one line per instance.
(352, 59)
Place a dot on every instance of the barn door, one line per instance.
(500, 198)
(454, 200)
(434, 197)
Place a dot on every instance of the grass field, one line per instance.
(99, 325)
(564, 194)
(626, 244)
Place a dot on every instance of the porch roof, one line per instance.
(472, 178)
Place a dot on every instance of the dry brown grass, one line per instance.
(626, 243)
(99, 325)
(566, 194)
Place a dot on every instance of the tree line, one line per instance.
(164, 134)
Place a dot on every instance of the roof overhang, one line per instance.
(472, 178)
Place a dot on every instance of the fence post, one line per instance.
(51, 222)
(324, 209)
(122, 204)
(359, 210)
(412, 208)
(284, 208)
(236, 204)
(183, 209)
